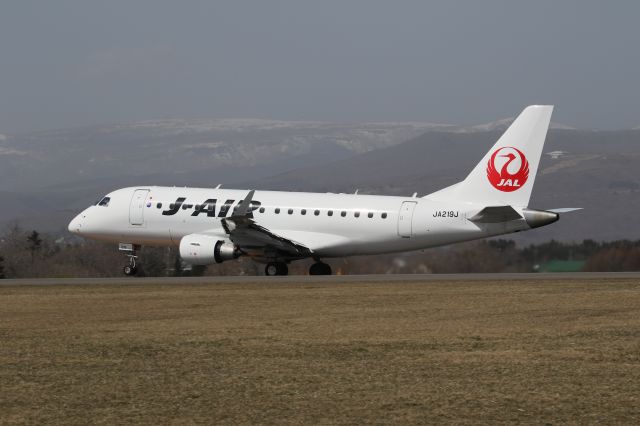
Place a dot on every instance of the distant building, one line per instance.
(556, 154)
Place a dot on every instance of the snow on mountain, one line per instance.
(173, 147)
(502, 124)
(217, 148)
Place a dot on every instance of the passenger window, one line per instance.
(317, 212)
(277, 210)
(343, 214)
(303, 212)
(159, 205)
(370, 215)
(330, 213)
(384, 215)
(290, 211)
(104, 202)
(261, 210)
(357, 214)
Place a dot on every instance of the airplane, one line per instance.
(211, 226)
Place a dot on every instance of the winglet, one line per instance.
(243, 207)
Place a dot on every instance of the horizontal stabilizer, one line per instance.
(496, 214)
(565, 210)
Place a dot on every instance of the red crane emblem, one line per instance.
(504, 180)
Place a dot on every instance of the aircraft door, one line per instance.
(136, 208)
(405, 218)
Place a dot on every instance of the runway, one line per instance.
(333, 279)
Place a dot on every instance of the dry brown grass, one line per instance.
(449, 352)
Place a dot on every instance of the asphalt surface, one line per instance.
(333, 279)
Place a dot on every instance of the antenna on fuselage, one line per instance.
(219, 186)
(356, 193)
(415, 194)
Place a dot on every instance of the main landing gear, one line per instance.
(280, 268)
(276, 268)
(130, 251)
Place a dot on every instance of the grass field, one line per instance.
(336, 353)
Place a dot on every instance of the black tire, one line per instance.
(130, 270)
(271, 269)
(276, 268)
(320, 268)
(283, 269)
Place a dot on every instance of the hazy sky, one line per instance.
(74, 63)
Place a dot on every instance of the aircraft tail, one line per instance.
(506, 174)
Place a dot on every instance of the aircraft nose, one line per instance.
(75, 226)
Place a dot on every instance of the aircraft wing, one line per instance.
(244, 232)
(249, 236)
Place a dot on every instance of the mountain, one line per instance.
(502, 124)
(216, 148)
(176, 151)
(49, 176)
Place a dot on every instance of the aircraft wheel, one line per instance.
(276, 268)
(320, 268)
(130, 270)
(283, 269)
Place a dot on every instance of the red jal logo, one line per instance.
(503, 173)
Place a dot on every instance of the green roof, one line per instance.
(561, 266)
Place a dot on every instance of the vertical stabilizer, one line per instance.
(506, 174)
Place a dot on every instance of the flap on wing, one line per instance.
(496, 214)
(247, 235)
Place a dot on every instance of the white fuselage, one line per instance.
(329, 224)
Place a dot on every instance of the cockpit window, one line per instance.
(104, 202)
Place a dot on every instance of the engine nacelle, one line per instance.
(199, 249)
(538, 218)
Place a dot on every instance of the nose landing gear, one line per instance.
(131, 269)
(130, 251)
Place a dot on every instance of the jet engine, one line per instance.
(199, 249)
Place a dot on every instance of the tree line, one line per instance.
(28, 253)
